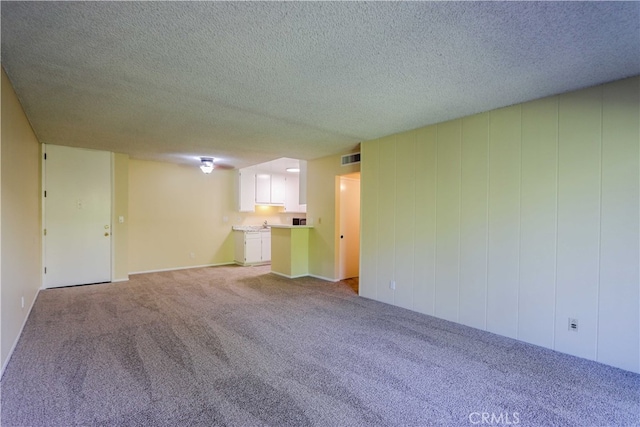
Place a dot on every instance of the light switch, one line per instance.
(121, 219)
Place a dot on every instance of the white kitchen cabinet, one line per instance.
(265, 240)
(263, 189)
(269, 189)
(246, 190)
(292, 195)
(252, 247)
(277, 189)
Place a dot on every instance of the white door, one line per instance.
(77, 216)
(349, 228)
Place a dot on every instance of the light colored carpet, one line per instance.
(238, 346)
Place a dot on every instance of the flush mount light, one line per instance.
(207, 164)
(293, 169)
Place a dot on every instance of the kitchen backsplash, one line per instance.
(271, 214)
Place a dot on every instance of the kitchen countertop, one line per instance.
(267, 228)
(250, 228)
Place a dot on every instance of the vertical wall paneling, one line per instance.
(405, 219)
(522, 218)
(578, 220)
(473, 220)
(369, 219)
(386, 218)
(504, 221)
(448, 220)
(538, 221)
(425, 224)
(618, 332)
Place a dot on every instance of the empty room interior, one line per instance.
(320, 213)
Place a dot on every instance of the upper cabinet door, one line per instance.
(263, 189)
(246, 190)
(277, 189)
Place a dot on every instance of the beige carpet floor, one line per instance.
(238, 346)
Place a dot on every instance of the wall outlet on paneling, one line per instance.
(392, 285)
(573, 325)
(21, 302)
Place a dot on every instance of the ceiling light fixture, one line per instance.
(293, 169)
(207, 164)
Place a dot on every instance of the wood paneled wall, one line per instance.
(514, 221)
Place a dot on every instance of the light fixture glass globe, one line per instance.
(207, 164)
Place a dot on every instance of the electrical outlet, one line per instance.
(192, 255)
(573, 325)
(21, 302)
(392, 285)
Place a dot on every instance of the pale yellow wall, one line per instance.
(120, 207)
(322, 194)
(21, 242)
(299, 252)
(176, 210)
(515, 220)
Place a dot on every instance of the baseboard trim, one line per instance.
(15, 343)
(180, 268)
(120, 280)
(251, 264)
(326, 279)
(287, 276)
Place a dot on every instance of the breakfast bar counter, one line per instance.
(290, 250)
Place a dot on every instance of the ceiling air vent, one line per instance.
(350, 159)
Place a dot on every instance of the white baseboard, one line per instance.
(251, 264)
(120, 280)
(15, 343)
(324, 278)
(287, 276)
(180, 268)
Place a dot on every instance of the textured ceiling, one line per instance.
(249, 82)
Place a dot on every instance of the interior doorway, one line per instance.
(349, 227)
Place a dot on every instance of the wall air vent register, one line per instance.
(350, 159)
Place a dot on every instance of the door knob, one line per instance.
(106, 234)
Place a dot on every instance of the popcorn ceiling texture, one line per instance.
(249, 82)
